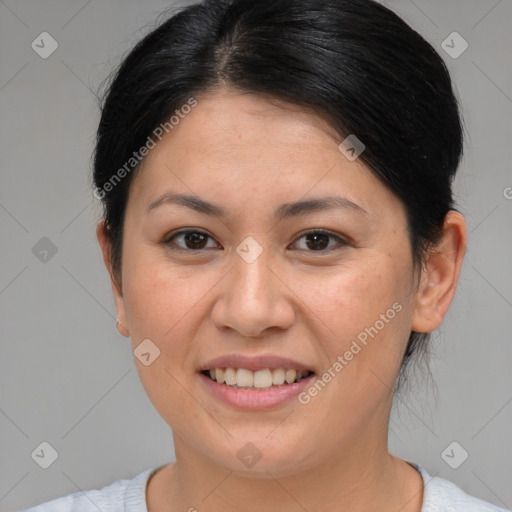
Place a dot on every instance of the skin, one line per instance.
(249, 156)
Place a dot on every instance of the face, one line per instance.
(256, 284)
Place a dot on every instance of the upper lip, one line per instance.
(253, 363)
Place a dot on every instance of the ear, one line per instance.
(104, 242)
(440, 274)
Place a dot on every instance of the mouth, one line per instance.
(259, 380)
(262, 389)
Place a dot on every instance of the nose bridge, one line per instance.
(252, 275)
(251, 302)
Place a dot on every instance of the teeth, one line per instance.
(230, 376)
(278, 376)
(219, 375)
(290, 376)
(260, 379)
(244, 378)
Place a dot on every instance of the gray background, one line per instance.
(67, 377)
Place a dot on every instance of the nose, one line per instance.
(254, 298)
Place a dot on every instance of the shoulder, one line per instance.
(120, 496)
(441, 495)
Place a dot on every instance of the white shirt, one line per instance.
(439, 495)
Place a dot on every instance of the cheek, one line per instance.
(161, 303)
(366, 312)
(160, 296)
(363, 307)
(354, 298)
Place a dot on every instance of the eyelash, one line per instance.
(167, 241)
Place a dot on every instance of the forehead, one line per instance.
(227, 126)
(244, 147)
(254, 118)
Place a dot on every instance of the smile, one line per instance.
(261, 389)
(242, 378)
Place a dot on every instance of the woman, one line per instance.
(281, 237)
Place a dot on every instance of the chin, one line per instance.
(259, 458)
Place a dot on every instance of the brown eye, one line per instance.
(318, 241)
(193, 240)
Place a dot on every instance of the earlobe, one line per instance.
(122, 329)
(440, 274)
(103, 239)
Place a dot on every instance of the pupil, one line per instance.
(195, 238)
(315, 236)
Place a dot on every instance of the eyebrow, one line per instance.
(284, 211)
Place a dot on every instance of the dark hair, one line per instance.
(354, 62)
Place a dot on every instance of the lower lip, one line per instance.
(253, 399)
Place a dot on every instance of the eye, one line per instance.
(318, 240)
(193, 239)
